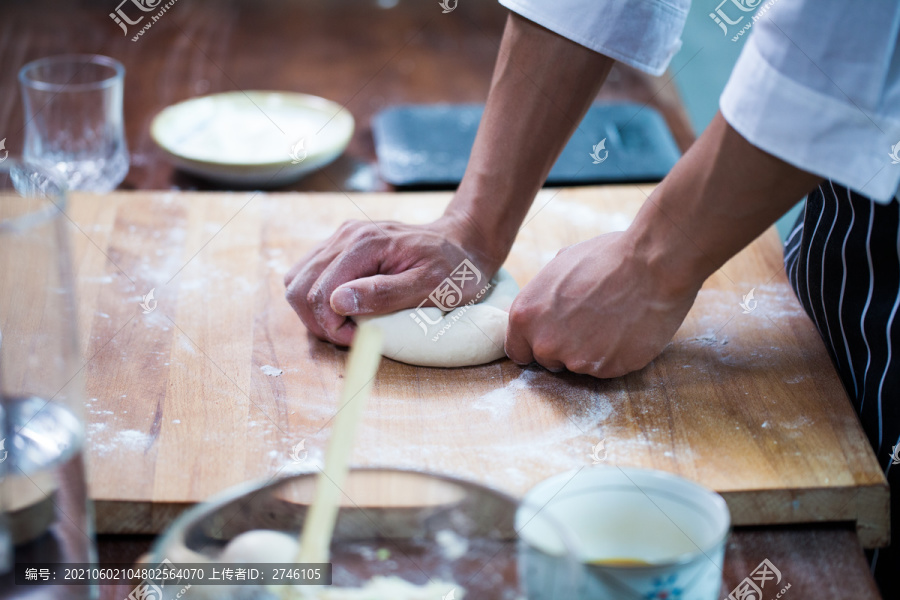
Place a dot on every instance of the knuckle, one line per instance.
(357, 236)
(344, 228)
(314, 295)
(580, 365)
(364, 234)
(545, 353)
(519, 315)
(296, 289)
(348, 228)
(611, 369)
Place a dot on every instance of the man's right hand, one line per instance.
(369, 267)
(542, 86)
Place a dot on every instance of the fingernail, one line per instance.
(345, 301)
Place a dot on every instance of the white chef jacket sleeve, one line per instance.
(644, 34)
(818, 85)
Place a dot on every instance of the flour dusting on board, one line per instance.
(271, 371)
(128, 440)
(563, 416)
(502, 400)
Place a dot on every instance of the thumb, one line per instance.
(380, 294)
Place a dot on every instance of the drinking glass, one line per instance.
(73, 119)
(45, 514)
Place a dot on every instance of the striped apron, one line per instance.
(843, 261)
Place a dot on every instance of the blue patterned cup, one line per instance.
(636, 534)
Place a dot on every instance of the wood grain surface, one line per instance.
(179, 407)
(356, 52)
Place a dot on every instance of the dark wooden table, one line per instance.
(823, 562)
(350, 51)
(367, 55)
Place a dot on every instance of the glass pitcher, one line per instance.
(45, 513)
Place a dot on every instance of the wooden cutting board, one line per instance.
(179, 407)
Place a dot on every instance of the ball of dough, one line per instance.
(468, 335)
(261, 546)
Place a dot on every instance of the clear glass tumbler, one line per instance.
(45, 513)
(73, 119)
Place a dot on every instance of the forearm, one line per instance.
(719, 197)
(542, 86)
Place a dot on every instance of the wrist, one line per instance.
(486, 248)
(674, 261)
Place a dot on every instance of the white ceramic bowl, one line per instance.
(612, 514)
(256, 138)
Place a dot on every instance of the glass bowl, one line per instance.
(420, 527)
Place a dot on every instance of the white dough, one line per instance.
(468, 335)
(264, 546)
(261, 546)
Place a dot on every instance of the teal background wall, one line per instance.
(701, 69)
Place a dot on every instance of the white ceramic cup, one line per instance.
(675, 526)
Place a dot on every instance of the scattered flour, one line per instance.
(502, 400)
(99, 279)
(271, 371)
(559, 419)
(798, 423)
(129, 440)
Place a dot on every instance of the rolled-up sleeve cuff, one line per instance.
(644, 34)
(840, 143)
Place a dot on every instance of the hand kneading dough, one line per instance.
(475, 335)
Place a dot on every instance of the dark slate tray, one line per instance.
(428, 145)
